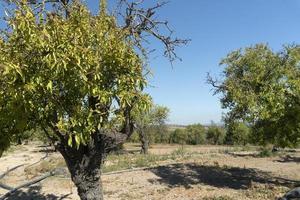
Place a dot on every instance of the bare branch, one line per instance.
(141, 22)
(51, 138)
(217, 85)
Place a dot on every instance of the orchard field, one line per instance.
(177, 172)
(87, 102)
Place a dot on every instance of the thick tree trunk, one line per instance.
(144, 142)
(84, 164)
(145, 147)
(88, 184)
(86, 175)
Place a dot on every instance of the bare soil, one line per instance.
(210, 174)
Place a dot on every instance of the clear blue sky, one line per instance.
(215, 27)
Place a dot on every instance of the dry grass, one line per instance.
(116, 162)
(44, 166)
(188, 173)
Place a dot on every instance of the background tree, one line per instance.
(196, 134)
(262, 87)
(147, 121)
(237, 133)
(4, 143)
(78, 76)
(160, 115)
(215, 134)
(179, 136)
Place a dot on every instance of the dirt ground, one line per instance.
(211, 174)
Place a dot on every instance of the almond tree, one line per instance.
(77, 76)
(261, 88)
(156, 116)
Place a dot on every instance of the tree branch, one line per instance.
(140, 21)
(215, 83)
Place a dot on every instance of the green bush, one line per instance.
(196, 134)
(237, 133)
(216, 134)
(179, 136)
(266, 151)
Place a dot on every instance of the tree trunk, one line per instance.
(89, 185)
(144, 142)
(84, 164)
(19, 141)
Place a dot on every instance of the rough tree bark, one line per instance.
(144, 141)
(85, 164)
(86, 175)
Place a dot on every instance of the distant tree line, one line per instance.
(260, 88)
(237, 133)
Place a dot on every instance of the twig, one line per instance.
(142, 22)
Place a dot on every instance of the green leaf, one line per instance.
(50, 86)
(70, 141)
(77, 140)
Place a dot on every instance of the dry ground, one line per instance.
(201, 172)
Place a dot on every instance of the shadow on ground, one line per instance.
(187, 175)
(289, 159)
(251, 154)
(34, 193)
(45, 149)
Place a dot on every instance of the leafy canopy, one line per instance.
(156, 115)
(262, 88)
(215, 134)
(237, 133)
(196, 134)
(75, 74)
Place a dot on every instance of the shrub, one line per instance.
(196, 134)
(238, 133)
(216, 134)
